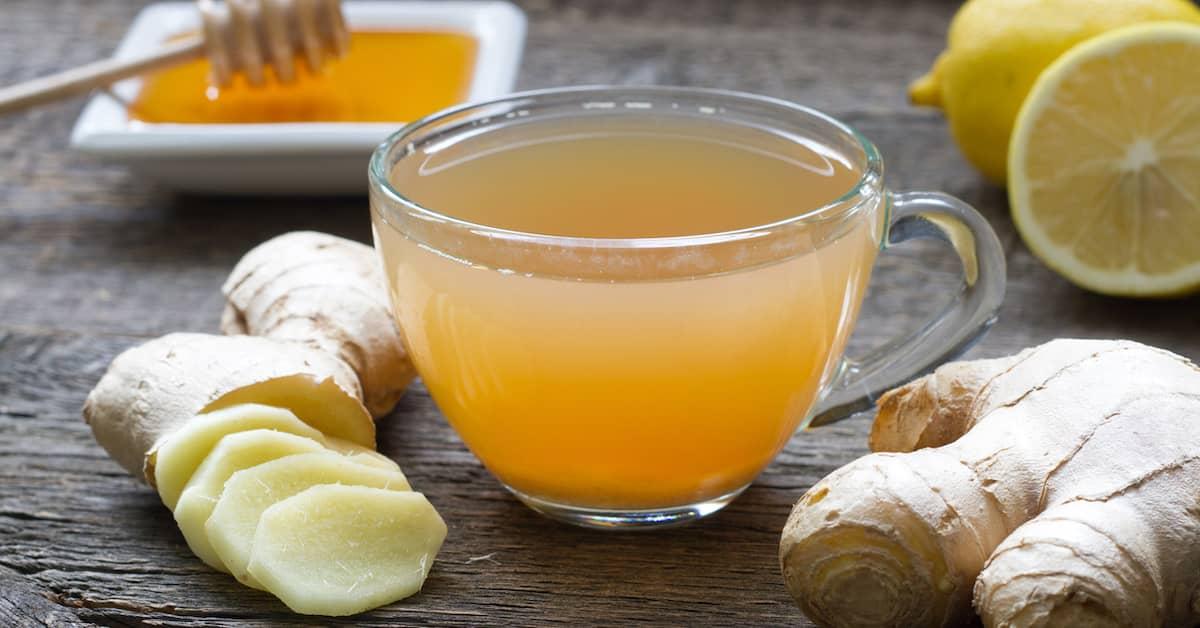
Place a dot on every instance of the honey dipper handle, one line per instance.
(93, 75)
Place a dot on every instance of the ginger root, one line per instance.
(1055, 487)
(329, 293)
(224, 427)
(153, 390)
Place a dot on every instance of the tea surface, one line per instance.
(621, 177)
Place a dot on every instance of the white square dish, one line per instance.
(292, 157)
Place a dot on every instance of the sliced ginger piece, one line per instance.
(251, 491)
(339, 550)
(234, 452)
(180, 455)
(360, 454)
(322, 404)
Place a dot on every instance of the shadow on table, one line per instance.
(255, 218)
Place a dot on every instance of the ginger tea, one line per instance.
(612, 371)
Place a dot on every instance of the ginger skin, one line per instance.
(1054, 487)
(150, 391)
(327, 346)
(326, 292)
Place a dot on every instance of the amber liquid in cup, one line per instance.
(639, 392)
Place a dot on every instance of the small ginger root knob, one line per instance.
(326, 292)
(1057, 487)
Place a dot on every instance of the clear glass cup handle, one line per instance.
(952, 330)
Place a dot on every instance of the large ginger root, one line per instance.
(1059, 487)
(330, 293)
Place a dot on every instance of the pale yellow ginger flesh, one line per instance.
(152, 390)
(184, 452)
(339, 550)
(248, 493)
(320, 403)
(234, 452)
(1059, 488)
(361, 454)
(330, 293)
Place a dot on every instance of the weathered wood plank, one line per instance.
(92, 260)
(23, 603)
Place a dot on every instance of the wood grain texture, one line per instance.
(92, 260)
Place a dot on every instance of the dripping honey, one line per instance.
(387, 76)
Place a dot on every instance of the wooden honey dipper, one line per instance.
(236, 36)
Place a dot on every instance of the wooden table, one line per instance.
(93, 260)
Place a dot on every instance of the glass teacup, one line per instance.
(620, 379)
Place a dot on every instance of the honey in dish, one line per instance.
(387, 76)
(627, 394)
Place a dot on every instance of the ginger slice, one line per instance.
(234, 452)
(361, 455)
(184, 452)
(338, 550)
(251, 491)
(322, 404)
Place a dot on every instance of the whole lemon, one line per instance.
(997, 48)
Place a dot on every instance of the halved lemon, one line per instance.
(1104, 162)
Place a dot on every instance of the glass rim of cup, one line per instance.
(610, 97)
